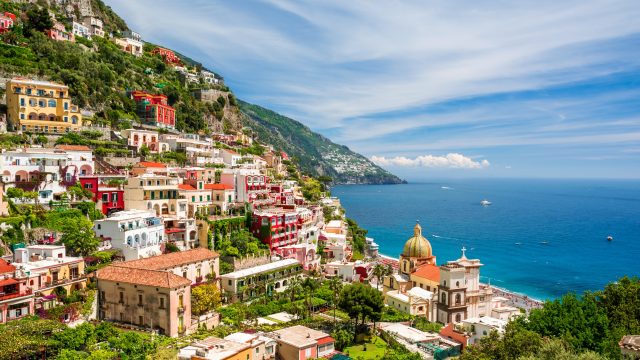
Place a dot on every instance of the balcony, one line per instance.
(13, 295)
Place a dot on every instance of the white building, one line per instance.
(341, 269)
(81, 30)
(264, 347)
(461, 296)
(416, 302)
(157, 193)
(250, 186)
(256, 281)
(95, 26)
(230, 157)
(209, 77)
(137, 138)
(137, 233)
(479, 327)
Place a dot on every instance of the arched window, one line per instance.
(457, 283)
(443, 298)
(52, 103)
(129, 240)
(458, 299)
(458, 318)
(33, 102)
(74, 119)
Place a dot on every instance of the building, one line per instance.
(210, 78)
(46, 171)
(136, 233)
(59, 33)
(48, 267)
(131, 42)
(149, 167)
(222, 198)
(416, 301)
(213, 348)
(243, 285)
(230, 157)
(41, 107)
(196, 265)
(345, 270)
(95, 25)
(630, 347)
(429, 345)
(168, 56)
(81, 30)
(416, 270)
(263, 347)
(461, 296)
(158, 193)
(304, 253)
(108, 199)
(198, 198)
(137, 138)
(275, 227)
(301, 343)
(154, 110)
(477, 328)
(7, 20)
(16, 299)
(149, 299)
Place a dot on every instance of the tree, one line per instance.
(310, 285)
(144, 151)
(204, 298)
(343, 338)
(15, 193)
(362, 303)
(79, 237)
(335, 284)
(379, 272)
(38, 19)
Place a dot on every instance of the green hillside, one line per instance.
(315, 154)
(99, 75)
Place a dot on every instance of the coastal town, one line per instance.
(146, 240)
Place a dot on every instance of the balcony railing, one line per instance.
(13, 295)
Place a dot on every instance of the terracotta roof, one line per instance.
(5, 267)
(429, 272)
(151, 164)
(185, 187)
(73, 147)
(218, 187)
(164, 279)
(171, 260)
(8, 282)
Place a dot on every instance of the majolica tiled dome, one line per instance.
(417, 246)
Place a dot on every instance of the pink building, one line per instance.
(59, 33)
(16, 299)
(305, 254)
(7, 21)
(276, 227)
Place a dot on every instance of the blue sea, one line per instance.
(542, 238)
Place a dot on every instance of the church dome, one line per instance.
(417, 246)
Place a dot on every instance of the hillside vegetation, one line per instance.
(99, 75)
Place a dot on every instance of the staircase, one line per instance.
(103, 167)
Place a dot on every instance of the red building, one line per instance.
(276, 227)
(111, 198)
(154, 109)
(168, 56)
(7, 20)
(16, 299)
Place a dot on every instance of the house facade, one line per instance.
(48, 267)
(16, 298)
(41, 107)
(154, 110)
(108, 199)
(148, 299)
(136, 233)
(248, 283)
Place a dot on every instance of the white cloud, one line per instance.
(451, 160)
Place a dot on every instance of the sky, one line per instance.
(430, 88)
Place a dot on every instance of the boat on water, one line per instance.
(485, 202)
(610, 238)
(544, 242)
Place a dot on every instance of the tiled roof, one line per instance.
(218, 187)
(429, 272)
(73, 147)
(164, 279)
(151, 164)
(171, 260)
(186, 187)
(5, 267)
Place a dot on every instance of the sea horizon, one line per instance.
(531, 239)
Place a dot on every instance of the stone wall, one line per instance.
(121, 162)
(246, 262)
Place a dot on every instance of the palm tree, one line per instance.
(310, 285)
(379, 271)
(293, 287)
(335, 284)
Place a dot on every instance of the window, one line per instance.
(21, 101)
(307, 353)
(180, 301)
(66, 119)
(33, 102)
(184, 274)
(208, 197)
(114, 197)
(42, 103)
(193, 199)
(161, 303)
(457, 283)
(139, 299)
(99, 226)
(66, 105)
(52, 103)
(22, 116)
(74, 119)
(105, 197)
(28, 91)
(121, 297)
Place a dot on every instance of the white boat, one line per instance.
(485, 202)
(610, 238)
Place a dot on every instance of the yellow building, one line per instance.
(41, 107)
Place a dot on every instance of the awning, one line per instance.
(8, 282)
